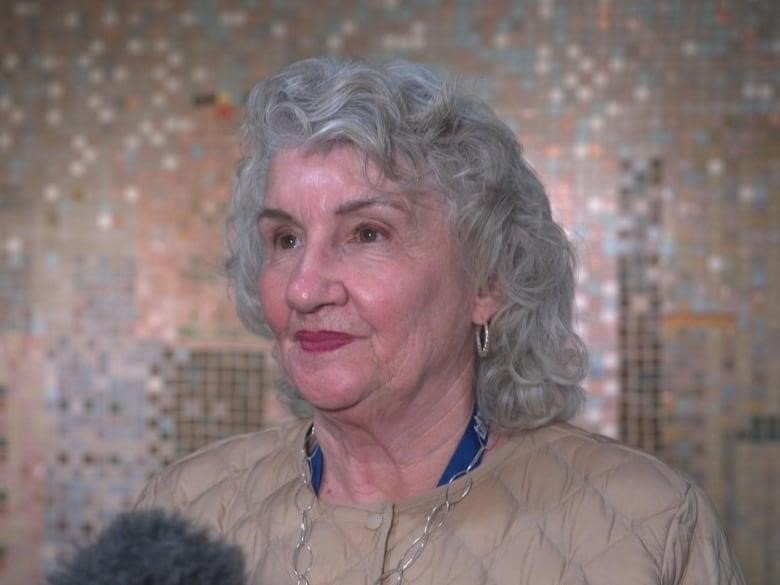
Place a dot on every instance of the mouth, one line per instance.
(322, 341)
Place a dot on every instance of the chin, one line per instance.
(325, 386)
(328, 397)
(332, 401)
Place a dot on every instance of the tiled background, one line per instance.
(653, 122)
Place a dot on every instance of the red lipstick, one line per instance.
(321, 341)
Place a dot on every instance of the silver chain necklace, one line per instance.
(303, 558)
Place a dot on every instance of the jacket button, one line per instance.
(374, 521)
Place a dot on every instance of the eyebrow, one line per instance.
(345, 208)
(274, 213)
(380, 200)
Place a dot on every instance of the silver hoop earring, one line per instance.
(483, 340)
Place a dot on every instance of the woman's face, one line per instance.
(364, 292)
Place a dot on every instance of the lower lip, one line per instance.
(319, 343)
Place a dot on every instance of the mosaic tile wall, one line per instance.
(119, 349)
(640, 205)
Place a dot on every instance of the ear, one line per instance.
(486, 304)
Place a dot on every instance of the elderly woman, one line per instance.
(388, 234)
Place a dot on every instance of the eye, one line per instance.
(286, 241)
(368, 235)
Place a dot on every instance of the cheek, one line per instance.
(435, 305)
(409, 304)
(271, 292)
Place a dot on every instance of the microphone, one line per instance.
(153, 547)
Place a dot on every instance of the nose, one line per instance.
(315, 281)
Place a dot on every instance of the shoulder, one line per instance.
(209, 476)
(603, 468)
(612, 506)
(607, 512)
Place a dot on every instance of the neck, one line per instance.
(396, 455)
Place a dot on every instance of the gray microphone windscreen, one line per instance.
(153, 547)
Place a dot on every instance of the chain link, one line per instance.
(303, 550)
(435, 519)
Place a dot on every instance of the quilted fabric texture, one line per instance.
(552, 506)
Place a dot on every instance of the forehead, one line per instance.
(333, 175)
(328, 180)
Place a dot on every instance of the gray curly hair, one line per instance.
(419, 129)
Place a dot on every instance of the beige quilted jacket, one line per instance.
(552, 506)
